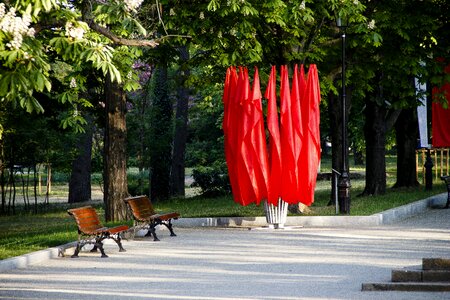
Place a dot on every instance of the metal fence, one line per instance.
(441, 162)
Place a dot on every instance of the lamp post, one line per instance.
(344, 179)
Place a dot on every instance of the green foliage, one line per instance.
(27, 59)
(29, 141)
(138, 183)
(212, 180)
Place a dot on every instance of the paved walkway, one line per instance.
(237, 263)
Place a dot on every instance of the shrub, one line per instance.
(212, 180)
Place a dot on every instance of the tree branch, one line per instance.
(121, 41)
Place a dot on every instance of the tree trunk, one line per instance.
(358, 157)
(80, 179)
(375, 135)
(115, 166)
(406, 141)
(161, 137)
(177, 174)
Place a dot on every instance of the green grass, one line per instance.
(25, 233)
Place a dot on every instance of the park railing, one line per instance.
(441, 162)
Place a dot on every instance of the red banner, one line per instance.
(440, 118)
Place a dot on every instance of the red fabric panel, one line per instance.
(313, 137)
(274, 140)
(230, 127)
(288, 176)
(440, 121)
(297, 126)
(245, 157)
(257, 141)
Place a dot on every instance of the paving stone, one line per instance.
(436, 263)
(407, 287)
(405, 275)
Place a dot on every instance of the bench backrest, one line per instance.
(87, 219)
(141, 207)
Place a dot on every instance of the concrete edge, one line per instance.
(396, 214)
(388, 217)
(26, 260)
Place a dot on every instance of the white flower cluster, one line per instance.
(74, 32)
(16, 26)
(303, 5)
(371, 24)
(132, 5)
(73, 83)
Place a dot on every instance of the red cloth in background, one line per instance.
(440, 116)
(440, 120)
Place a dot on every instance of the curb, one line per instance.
(384, 218)
(24, 261)
(387, 217)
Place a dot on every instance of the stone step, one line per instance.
(414, 275)
(407, 287)
(436, 263)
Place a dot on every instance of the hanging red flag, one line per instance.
(289, 172)
(313, 136)
(245, 160)
(297, 134)
(288, 177)
(440, 121)
(230, 127)
(258, 141)
(274, 140)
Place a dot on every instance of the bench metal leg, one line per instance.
(119, 243)
(170, 227)
(99, 245)
(77, 250)
(152, 231)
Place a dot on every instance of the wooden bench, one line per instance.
(447, 182)
(145, 216)
(91, 231)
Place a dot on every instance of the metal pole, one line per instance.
(344, 182)
(428, 171)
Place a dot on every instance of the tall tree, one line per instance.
(80, 178)
(115, 167)
(406, 134)
(177, 174)
(160, 145)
